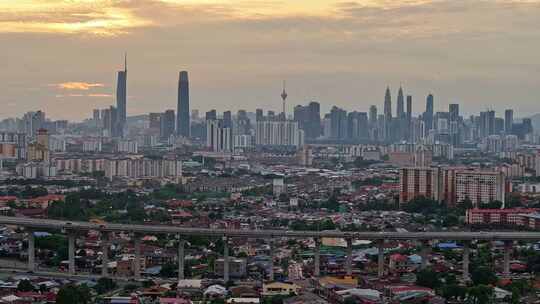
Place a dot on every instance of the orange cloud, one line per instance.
(81, 86)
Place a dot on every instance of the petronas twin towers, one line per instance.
(396, 127)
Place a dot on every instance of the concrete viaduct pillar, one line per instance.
(466, 257)
(31, 251)
(348, 262)
(71, 251)
(137, 262)
(226, 261)
(271, 275)
(181, 258)
(105, 251)
(380, 260)
(507, 253)
(317, 258)
(424, 253)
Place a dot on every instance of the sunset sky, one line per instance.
(61, 56)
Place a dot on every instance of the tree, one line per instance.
(25, 285)
(481, 294)
(73, 294)
(454, 291)
(135, 211)
(168, 270)
(492, 205)
(428, 278)
(104, 285)
(483, 276)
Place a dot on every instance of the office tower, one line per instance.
(409, 108)
(167, 122)
(428, 114)
(195, 114)
(387, 104)
(182, 121)
(309, 119)
(527, 126)
(154, 121)
(121, 101)
(96, 115)
(227, 119)
(32, 122)
(338, 122)
(372, 115)
(508, 121)
(487, 123)
(407, 124)
(499, 125)
(453, 109)
(211, 115)
(314, 120)
(109, 117)
(357, 126)
(400, 104)
(259, 114)
(241, 114)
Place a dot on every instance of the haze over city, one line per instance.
(62, 56)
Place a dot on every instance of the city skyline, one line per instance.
(335, 53)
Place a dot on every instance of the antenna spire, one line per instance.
(284, 97)
(125, 61)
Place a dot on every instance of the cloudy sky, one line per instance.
(62, 55)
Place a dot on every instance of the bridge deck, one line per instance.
(84, 226)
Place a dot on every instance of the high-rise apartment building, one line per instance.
(218, 136)
(284, 133)
(419, 181)
(453, 185)
(480, 186)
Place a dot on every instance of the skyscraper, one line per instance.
(400, 104)
(166, 124)
(121, 101)
(409, 107)
(284, 98)
(408, 120)
(487, 123)
(388, 125)
(373, 115)
(227, 119)
(508, 121)
(428, 115)
(182, 121)
(211, 115)
(387, 104)
(453, 109)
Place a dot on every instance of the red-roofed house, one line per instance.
(399, 263)
(513, 216)
(43, 202)
(6, 199)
